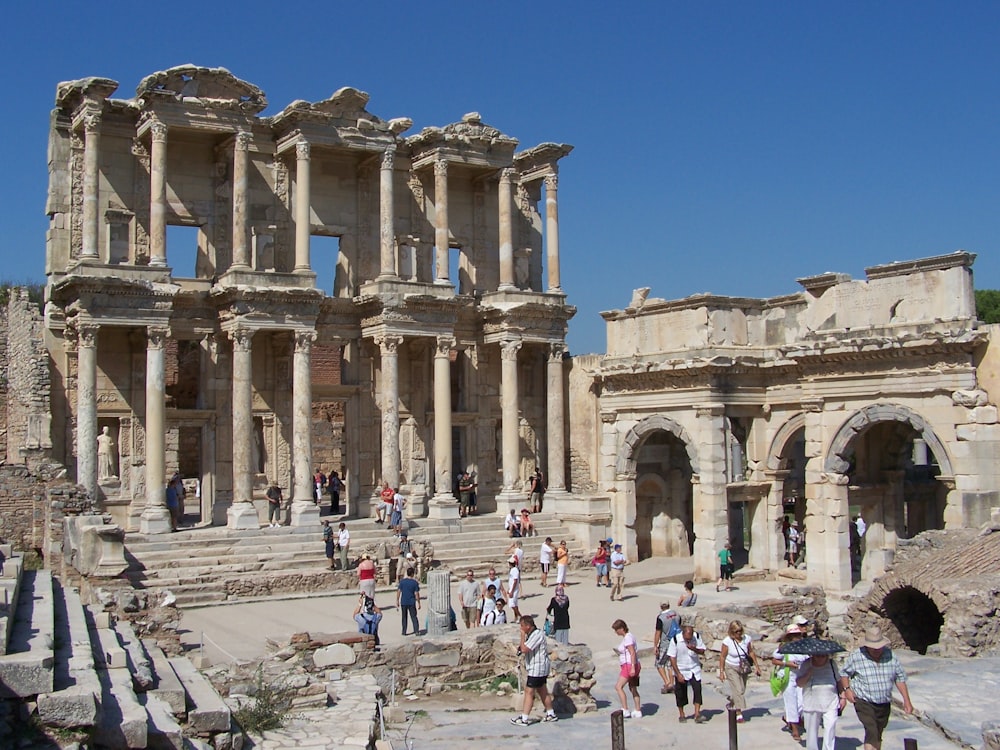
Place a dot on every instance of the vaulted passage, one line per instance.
(915, 616)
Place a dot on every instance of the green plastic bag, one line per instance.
(779, 680)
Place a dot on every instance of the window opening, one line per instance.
(184, 245)
(324, 253)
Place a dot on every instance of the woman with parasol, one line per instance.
(822, 697)
(788, 664)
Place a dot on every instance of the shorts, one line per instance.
(470, 615)
(513, 600)
(633, 680)
(681, 691)
(602, 569)
(662, 660)
(545, 567)
(395, 518)
(726, 571)
(535, 682)
(873, 717)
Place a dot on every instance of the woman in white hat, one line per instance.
(793, 542)
(822, 699)
(792, 694)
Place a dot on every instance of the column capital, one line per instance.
(158, 131)
(507, 175)
(91, 122)
(304, 341)
(388, 343)
(389, 156)
(241, 338)
(156, 337)
(242, 140)
(509, 349)
(86, 335)
(302, 149)
(443, 346)
(557, 351)
(609, 417)
(551, 182)
(441, 168)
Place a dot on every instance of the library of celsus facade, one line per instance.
(241, 299)
(717, 418)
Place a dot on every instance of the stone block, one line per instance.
(163, 731)
(167, 687)
(337, 654)
(208, 713)
(108, 652)
(73, 707)
(983, 414)
(26, 674)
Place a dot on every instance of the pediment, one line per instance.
(470, 130)
(211, 87)
(344, 109)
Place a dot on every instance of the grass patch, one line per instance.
(33, 560)
(266, 709)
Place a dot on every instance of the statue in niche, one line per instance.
(106, 456)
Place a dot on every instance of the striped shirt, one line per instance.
(872, 680)
(536, 662)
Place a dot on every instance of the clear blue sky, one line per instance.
(725, 147)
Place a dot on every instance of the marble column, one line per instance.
(242, 514)
(556, 422)
(387, 229)
(303, 226)
(441, 234)
(511, 494)
(155, 516)
(443, 504)
(711, 511)
(767, 552)
(389, 349)
(552, 231)
(506, 231)
(305, 512)
(86, 408)
(241, 160)
(158, 195)
(91, 185)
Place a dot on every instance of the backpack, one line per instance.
(674, 627)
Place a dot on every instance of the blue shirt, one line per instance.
(408, 588)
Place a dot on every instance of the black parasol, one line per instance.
(811, 647)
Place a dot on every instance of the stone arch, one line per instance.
(837, 458)
(635, 437)
(781, 438)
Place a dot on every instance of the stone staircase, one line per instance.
(92, 677)
(215, 564)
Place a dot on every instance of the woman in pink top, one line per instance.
(628, 674)
(366, 576)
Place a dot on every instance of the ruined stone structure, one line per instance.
(714, 418)
(393, 301)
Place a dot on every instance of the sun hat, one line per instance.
(874, 638)
(800, 620)
(792, 630)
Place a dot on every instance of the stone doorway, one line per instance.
(664, 517)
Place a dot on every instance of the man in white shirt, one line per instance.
(545, 559)
(513, 590)
(684, 651)
(344, 540)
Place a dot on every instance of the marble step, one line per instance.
(27, 667)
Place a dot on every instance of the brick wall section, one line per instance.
(24, 496)
(325, 364)
(27, 371)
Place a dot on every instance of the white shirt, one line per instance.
(861, 526)
(513, 582)
(688, 663)
(545, 556)
(624, 657)
(736, 650)
(344, 538)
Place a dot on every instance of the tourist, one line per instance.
(618, 561)
(468, 599)
(527, 525)
(628, 672)
(725, 568)
(344, 542)
(537, 666)
(516, 549)
(499, 614)
(492, 579)
(545, 559)
(688, 598)
(793, 543)
(368, 617)
(512, 524)
(868, 676)
(537, 491)
(171, 496)
(408, 600)
(384, 507)
(366, 575)
(559, 609)
(319, 485)
(513, 590)
(464, 494)
(398, 503)
(488, 606)
(736, 660)
(473, 493)
(685, 650)
(600, 562)
(792, 694)
(562, 562)
(274, 498)
(328, 542)
(667, 626)
(822, 699)
(334, 487)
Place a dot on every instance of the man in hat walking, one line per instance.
(867, 679)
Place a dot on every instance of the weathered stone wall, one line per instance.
(27, 380)
(24, 494)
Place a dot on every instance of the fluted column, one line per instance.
(91, 184)
(158, 195)
(155, 517)
(86, 408)
(389, 349)
(552, 231)
(442, 505)
(509, 429)
(556, 421)
(506, 231)
(304, 511)
(242, 514)
(441, 241)
(302, 223)
(387, 228)
(241, 159)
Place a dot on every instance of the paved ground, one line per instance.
(239, 631)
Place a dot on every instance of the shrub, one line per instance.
(265, 710)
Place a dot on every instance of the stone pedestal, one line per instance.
(242, 516)
(443, 507)
(304, 513)
(438, 602)
(155, 520)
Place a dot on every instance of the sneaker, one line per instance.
(626, 715)
(518, 721)
(682, 719)
(550, 717)
(637, 714)
(740, 719)
(699, 719)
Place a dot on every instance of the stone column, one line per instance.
(552, 231)
(158, 195)
(241, 159)
(86, 408)
(303, 227)
(511, 494)
(828, 544)
(711, 519)
(441, 241)
(506, 231)
(155, 516)
(387, 228)
(305, 512)
(556, 422)
(767, 553)
(91, 185)
(443, 504)
(438, 602)
(388, 347)
(242, 514)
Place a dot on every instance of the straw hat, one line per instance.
(874, 638)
